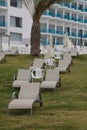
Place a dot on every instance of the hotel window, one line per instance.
(67, 15)
(43, 39)
(60, 29)
(80, 7)
(85, 43)
(52, 28)
(16, 3)
(67, 30)
(43, 26)
(73, 32)
(52, 12)
(15, 21)
(59, 41)
(16, 37)
(60, 13)
(2, 20)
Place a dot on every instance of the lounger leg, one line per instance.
(31, 111)
(41, 104)
(59, 81)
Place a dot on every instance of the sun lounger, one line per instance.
(29, 93)
(63, 66)
(67, 56)
(50, 62)
(52, 78)
(37, 63)
(23, 76)
(74, 52)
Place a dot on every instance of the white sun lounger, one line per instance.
(37, 63)
(51, 79)
(67, 57)
(29, 93)
(23, 76)
(63, 66)
(74, 52)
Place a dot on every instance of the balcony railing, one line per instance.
(72, 6)
(44, 42)
(3, 24)
(47, 13)
(66, 17)
(60, 32)
(3, 3)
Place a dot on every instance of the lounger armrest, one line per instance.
(14, 94)
(14, 77)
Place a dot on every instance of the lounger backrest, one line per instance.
(29, 90)
(63, 62)
(46, 56)
(67, 55)
(52, 75)
(38, 63)
(23, 74)
(73, 50)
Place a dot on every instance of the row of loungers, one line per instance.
(30, 91)
(52, 78)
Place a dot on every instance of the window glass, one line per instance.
(15, 21)
(16, 3)
(15, 36)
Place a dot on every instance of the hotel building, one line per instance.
(15, 21)
(62, 18)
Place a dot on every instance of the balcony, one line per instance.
(3, 25)
(85, 21)
(44, 42)
(58, 43)
(85, 9)
(73, 18)
(72, 6)
(85, 36)
(47, 13)
(66, 17)
(73, 34)
(3, 5)
(61, 33)
(80, 20)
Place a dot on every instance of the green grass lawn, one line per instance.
(63, 109)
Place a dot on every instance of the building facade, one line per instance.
(62, 18)
(15, 21)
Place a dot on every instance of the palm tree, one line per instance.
(37, 9)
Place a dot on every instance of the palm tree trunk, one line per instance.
(35, 38)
